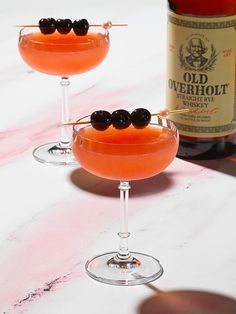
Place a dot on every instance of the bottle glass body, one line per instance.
(204, 132)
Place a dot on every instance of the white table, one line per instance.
(54, 218)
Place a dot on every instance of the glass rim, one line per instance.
(92, 29)
(172, 127)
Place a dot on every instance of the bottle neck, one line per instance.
(203, 8)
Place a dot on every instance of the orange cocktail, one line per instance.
(63, 55)
(63, 52)
(128, 154)
(124, 154)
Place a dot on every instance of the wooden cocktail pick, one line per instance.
(105, 25)
(166, 112)
(163, 113)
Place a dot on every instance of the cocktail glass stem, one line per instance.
(123, 251)
(123, 267)
(65, 137)
(123, 259)
(60, 152)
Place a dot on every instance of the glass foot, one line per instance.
(55, 154)
(138, 270)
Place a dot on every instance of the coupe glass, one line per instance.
(62, 55)
(125, 155)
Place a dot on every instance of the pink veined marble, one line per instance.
(50, 249)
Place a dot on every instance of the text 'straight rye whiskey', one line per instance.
(201, 75)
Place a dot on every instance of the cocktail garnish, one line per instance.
(81, 27)
(100, 120)
(140, 117)
(47, 25)
(64, 26)
(121, 119)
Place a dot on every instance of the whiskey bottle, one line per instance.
(201, 76)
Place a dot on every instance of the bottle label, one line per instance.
(201, 74)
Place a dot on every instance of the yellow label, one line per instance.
(201, 74)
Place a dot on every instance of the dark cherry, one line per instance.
(64, 26)
(140, 118)
(47, 25)
(100, 120)
(121, 119)
(81, 27)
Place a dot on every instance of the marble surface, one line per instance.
(54, 218)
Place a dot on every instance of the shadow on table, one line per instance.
(227, 165)
(187, 302)
(96, 185)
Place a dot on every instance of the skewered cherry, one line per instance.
(81, 27)
(121, 119)
(47, 25)
(100, 120)
(140, 118)
(64, 26)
